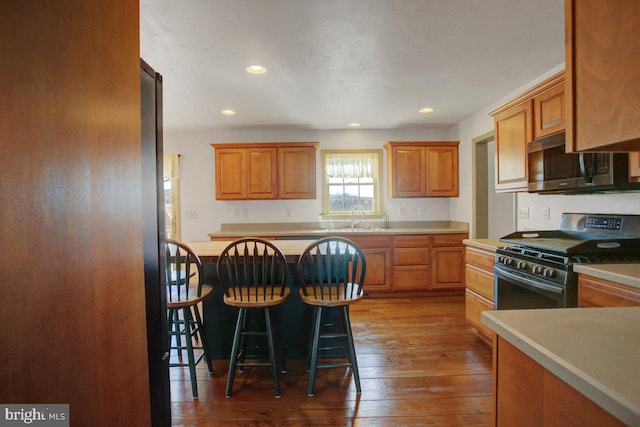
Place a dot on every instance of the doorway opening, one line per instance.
(493, 213)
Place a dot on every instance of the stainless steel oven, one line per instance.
(536, 269)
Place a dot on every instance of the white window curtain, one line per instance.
(350, 165)
(171, 175)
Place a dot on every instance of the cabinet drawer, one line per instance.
(411, 241)
(481, 259)
(409, 256)
(474, 305)
(448, 239)
(480, 282)
(593, 292)
(411, 277)
(370, 241)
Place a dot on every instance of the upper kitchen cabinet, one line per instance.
(602, 42)
(536, 113)
(297, 172)
(422, 168)
(265, 171)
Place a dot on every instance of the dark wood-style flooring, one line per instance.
(420, 364)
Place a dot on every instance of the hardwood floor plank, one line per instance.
(420, 364)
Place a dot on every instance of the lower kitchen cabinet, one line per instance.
(447, 261)
(377, 251)
(596, 292)
(527, 394)
(411, 261)
(479, 292)
(634, 167)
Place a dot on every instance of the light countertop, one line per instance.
(595, 350)
(486, 244)
(626, 274)
(210, 250)
(324, 229)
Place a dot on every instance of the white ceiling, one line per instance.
(332, 62)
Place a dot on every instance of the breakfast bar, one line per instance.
(293, 318)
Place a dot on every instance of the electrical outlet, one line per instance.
(523, 212)
(287, 212)
(547, 213)
(422, 211)
(236, 213)
(245, 213)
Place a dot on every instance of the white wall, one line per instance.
(202, 214)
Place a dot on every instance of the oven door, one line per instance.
(515, 291)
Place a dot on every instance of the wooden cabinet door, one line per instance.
(378, 275)
(442, 171)
(262, 174)
(603, 74)
(512, 133)
(231, 173)
(474, 306)
(549, 112)
(447, 268)
(407, 171)
(634, 167)
(297, 172)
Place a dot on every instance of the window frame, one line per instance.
(377, 184)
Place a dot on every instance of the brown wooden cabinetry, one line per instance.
(536, 113)
(479, 292)
(602, 40)
(526, 393)
(422, 169)
(596, 292)
(265, 171)
(447, 261)
(377, 251)
(411, 261)
(513, 129)
(549, 111)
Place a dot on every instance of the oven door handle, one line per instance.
(528, 282)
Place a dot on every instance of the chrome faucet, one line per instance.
(356, 207)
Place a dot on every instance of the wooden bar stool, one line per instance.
(185, 290)
(253, 272)
(331, 272)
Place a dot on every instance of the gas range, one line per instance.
(542, 261)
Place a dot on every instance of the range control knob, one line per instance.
(537, 269)
(522, 265)
(500, 259)
(508, 261)
(549, 272)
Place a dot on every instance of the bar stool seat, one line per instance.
(253, 272)
(185, 290)
(331, 272)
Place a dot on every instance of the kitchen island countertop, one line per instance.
(595, 350)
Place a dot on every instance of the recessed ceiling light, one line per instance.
(354, 125)
(256, 69)
(426, 110)
(228, 112)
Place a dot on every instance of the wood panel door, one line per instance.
(262, 173)
(603, 74)
(549, 112)
(442, 171)
(231, 173)
(407, 171)
(378, 276)
(513, 130)
(74, 326)
(297, 172)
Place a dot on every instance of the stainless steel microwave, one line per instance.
(552, 170)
